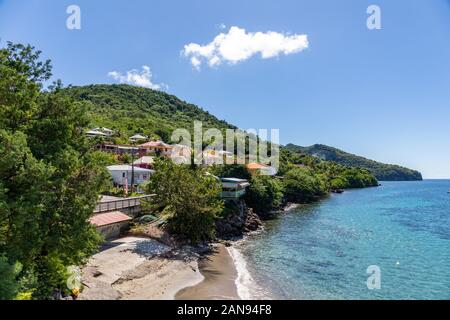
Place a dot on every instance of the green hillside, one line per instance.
(132, 110)
(383, 172)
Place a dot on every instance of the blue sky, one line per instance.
(383, 94)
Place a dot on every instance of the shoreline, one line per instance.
(140, 268)
(220, 276)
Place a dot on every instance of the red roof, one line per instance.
(105, 219)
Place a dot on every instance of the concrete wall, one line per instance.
(113, 230)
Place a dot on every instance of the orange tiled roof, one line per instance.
(254, 166)
(104, 219)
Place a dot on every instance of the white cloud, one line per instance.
(141, 79)
(238, 45)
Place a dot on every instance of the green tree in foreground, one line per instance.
(49, 179)
(9, 285)
(187, 198)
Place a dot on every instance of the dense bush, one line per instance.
(302, 185)
(9, 284)
(130, 110)
(264, 194)
(230, 171)
(187, 198)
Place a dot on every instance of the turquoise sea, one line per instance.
(322, 251)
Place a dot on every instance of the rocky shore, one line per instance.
(239, 219)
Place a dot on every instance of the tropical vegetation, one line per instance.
(383, 172)
(50, 179)
(186, 198)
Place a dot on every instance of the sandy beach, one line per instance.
(219, 274)
(139, 269)
(134, 268)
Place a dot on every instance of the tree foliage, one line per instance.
(49, 177)
(264, 194)
(384, 172)
(130, 110)
(187, 198)
(302, 185)
(230, 171)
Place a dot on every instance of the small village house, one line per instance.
(121, 149)
(137, 138)
(95, 133)
(100, 132)
(157, 148)
(122, 174)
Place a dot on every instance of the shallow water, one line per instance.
(322, 251)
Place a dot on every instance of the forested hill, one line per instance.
(130, 110)
(383, 172)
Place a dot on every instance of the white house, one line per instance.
(95, 133)
(100, 132)
(137, 137)
(121, 175)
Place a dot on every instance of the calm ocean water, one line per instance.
(322, 251)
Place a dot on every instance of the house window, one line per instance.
(123, 174)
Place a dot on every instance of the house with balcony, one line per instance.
(233, 188)
(120, 149)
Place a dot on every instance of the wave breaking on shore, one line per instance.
(247, 287)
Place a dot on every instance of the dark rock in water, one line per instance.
(227, 244)
(252, 221)
(238, 219)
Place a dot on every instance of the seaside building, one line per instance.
(233, 188)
